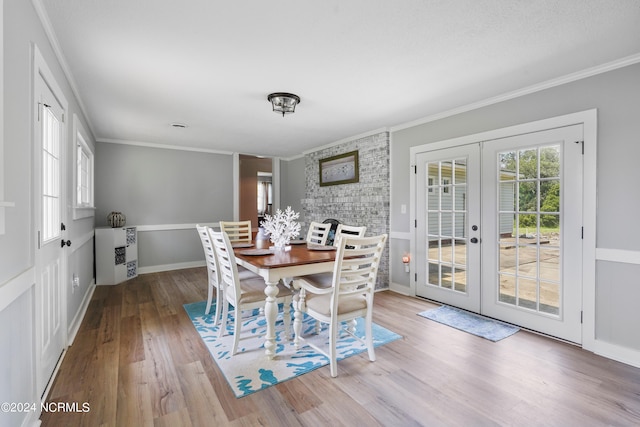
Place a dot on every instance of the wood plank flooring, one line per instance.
(138, 361)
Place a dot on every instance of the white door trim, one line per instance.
(589, 120)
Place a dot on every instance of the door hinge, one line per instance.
(415, 277)
(415, 223)
(415, 169)
(581, 142)
(581, 317)
(582, 233)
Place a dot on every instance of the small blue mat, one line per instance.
(472, 323)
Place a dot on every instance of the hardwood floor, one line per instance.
(137, 361)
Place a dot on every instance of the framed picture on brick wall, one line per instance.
(339, 169)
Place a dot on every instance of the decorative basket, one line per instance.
(116, 219)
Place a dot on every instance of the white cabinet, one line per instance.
(116, 255)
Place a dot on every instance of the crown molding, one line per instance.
(569, 78)
(57, 51)
(162, 146)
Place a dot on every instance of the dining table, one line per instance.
(273, 265)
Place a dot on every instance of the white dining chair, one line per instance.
(238, 231)
(318, 233)
(245, 294)
(212, 272)
(351, 230)
(349, 297)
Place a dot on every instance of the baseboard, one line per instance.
(169, 267)
(32, 419)
(618, 353)
(400, 289)
(77, 319)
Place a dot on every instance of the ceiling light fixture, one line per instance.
(178, 125)
(283, 102)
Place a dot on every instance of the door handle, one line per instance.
(474, 240)
(62, 243)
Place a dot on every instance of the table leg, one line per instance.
(271, 313)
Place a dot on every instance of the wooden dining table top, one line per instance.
(299, 254)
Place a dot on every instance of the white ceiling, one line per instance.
(357, 65)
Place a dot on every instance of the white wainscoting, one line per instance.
(11, 290)
(609, 350)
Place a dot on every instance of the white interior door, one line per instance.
(49, 206)
(532, 232)
(447, 226)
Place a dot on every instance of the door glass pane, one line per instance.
(529, 229)
(459, 219)
(446, 252)
(447, 279)
(528, 164)
(549, 264)
(528, 196)
(550, 297)
(550, 196)
(507, 227)
(507, 291)
(460, 172)
(550, 162)
(527, 261)
(460, 198)
(460, 252)
(507, 165)
(527, 293)
(446, 171)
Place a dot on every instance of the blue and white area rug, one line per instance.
(250, 370)
(471, 323)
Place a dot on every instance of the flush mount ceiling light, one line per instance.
(178, 125)
(283, 102)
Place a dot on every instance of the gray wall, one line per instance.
(616, 95)
(292, 184)
(22, 28)
(158, 189)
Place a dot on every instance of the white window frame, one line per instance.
(82, 209)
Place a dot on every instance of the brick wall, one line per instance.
(363, 203)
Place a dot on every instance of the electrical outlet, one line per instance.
(75, 282)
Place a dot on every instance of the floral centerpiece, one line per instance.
(281, 227)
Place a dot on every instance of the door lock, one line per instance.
(474, 240)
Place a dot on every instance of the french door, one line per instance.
(448, 232)
(532, 233)
(498, 229)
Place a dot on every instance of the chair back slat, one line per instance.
(318, 233)
(238, 231)
(348, 230)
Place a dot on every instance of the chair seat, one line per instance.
(244, 274)
(321, 304)
(318, 280)
(252, 290)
